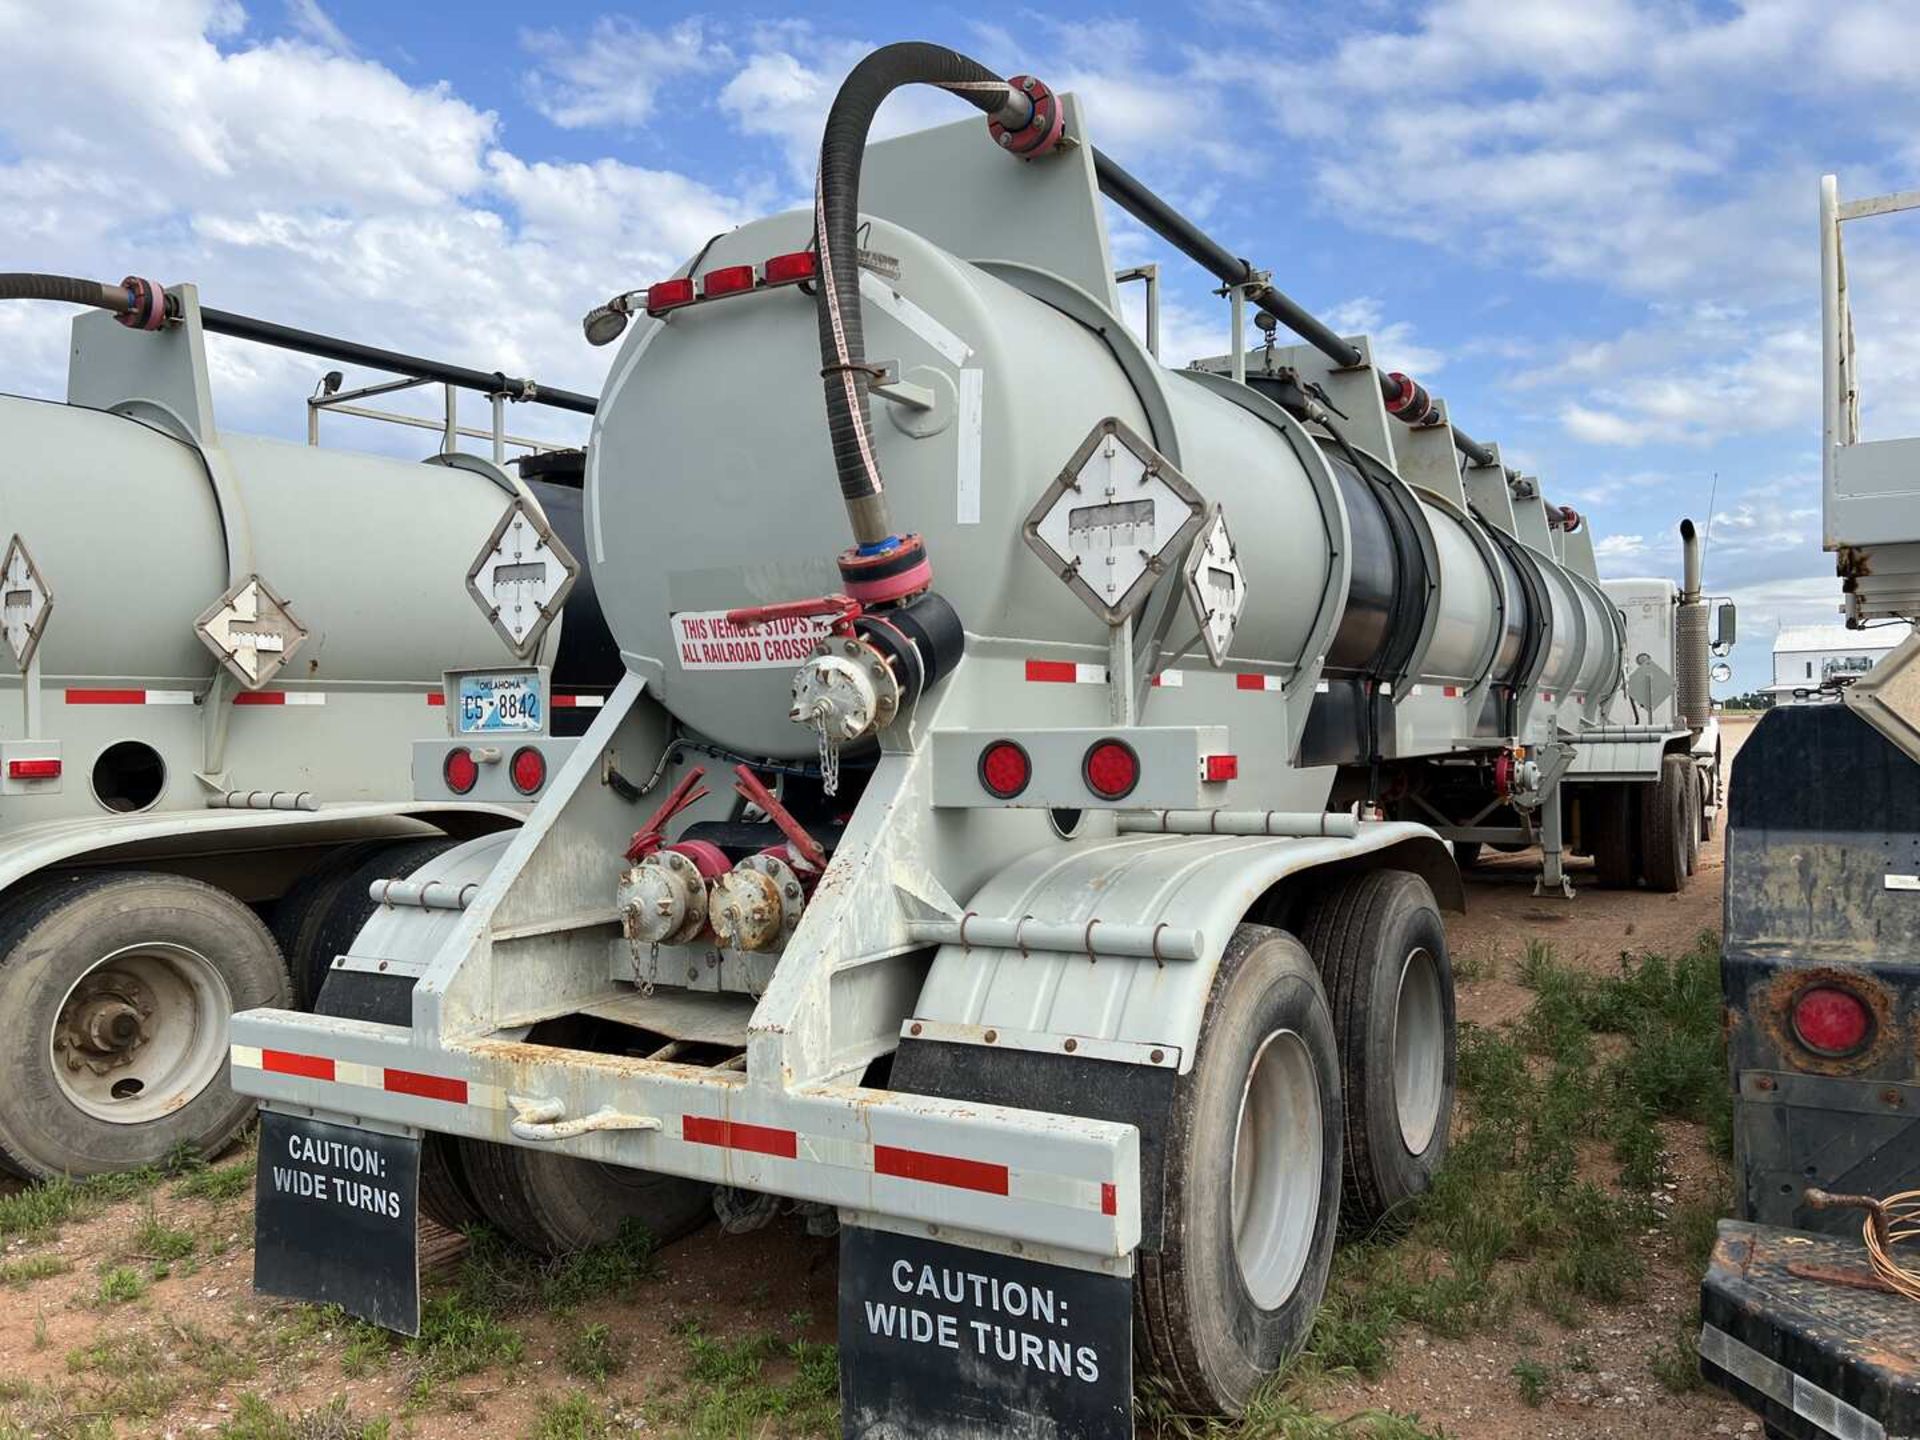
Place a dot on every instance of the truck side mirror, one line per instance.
(1725, 627)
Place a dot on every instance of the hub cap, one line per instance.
(1419, 1050)
(1276, 1169)
(141, 1033)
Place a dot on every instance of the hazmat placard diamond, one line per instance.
(1114, 519)
(522, 578)
(25, 602)
(252, 631)
(1216, 586)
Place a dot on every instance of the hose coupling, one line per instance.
(1032, 129)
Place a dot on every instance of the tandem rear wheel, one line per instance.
(120, 984)
(1252, 1199)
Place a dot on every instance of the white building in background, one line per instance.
(1806, 656)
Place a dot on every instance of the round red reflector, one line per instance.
(1831, 1021)
(460, 770)
(527, 770)
(1005, 769)
(1111, 769)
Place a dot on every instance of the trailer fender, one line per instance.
(1139, 1010)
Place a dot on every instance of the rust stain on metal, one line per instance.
(1776, 1017)
(1856, 1277)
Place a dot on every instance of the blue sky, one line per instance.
(1590, 226)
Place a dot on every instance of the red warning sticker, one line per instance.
(705, 640)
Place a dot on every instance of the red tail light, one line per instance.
(727, 280)
(33, 769)
(1221, 768)
(669, 295)
(1004, 769)
(460, 770)
(527, 770)
(786, 269)
(1111, 769)
(1831, 1021)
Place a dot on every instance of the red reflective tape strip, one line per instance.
(733, 1135)
(1109, 1198)
(430, 1087)
(1062, 672)
(106, 697)
(285, 1062)
(1249, 682)
(940, 1169)
(261, 697)
(436, 697)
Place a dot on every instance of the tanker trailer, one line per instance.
(981, 885)
(223, 648)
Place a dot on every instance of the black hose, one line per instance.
(21, 285)
(836, 218)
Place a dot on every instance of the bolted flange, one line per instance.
(756, 905)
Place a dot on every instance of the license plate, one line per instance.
(939, 1339)
(496, 704)
(337, 1219)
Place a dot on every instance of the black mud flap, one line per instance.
(941, 1341)
(337, 1219)
(1793, 1327)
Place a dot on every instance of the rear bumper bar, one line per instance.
(1043, 1179)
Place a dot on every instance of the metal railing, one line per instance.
(327, 396)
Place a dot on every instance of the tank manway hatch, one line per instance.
(1113, 520)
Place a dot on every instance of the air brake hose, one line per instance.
(843, 361)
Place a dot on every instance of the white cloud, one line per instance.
(613, 75)
(1394, 347)
(315, 25)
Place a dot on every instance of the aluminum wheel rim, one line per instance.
(1276, 1169)
(181, 1002)
(1419, 1050)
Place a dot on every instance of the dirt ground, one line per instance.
(137, 1317)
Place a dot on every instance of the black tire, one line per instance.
(556, 1204)
(1666, 820)
(331, 929)
(222, 959)
(1611, 835)
(1466, 853)
(1369, 936)
(1199, 1331)
(298, 913)
(446, 1195)
(1693, 817)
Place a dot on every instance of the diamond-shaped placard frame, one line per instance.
(1216, 586)
(1092, 518)
(520, 605)
(251, 631)
(26, 601)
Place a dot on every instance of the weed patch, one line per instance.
(730, 1390)
(590, 1353)
(221, 1182)
(20, 1273)
(577, 1416)
(254, 1419)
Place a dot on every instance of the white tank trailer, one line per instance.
(230, 645)
(1046, 887)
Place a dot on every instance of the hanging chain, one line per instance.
(829, 759)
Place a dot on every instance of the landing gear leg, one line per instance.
(1553, 875)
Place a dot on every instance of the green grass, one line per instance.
(222, 1182)
(38, 1212)
(729, 1390)
(576, 1416)
(1511, 1220)
(1278, 1412)
(255, 1419)
(1535, 1381)
(120, 1284)
(20, 1273)
(591, 1353)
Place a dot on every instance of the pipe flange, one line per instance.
(756, 905)
(1045, 126)
(663, 900)
(846, 691)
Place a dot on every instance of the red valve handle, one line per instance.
(841, 607)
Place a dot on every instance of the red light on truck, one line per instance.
(1831, 1021)
(669, 295)
(787, 269)
(1111, 769)
(1004, 769)
(727, 280)
(1221, 768)
(527, 770)
(33, 769)
(460, 770)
